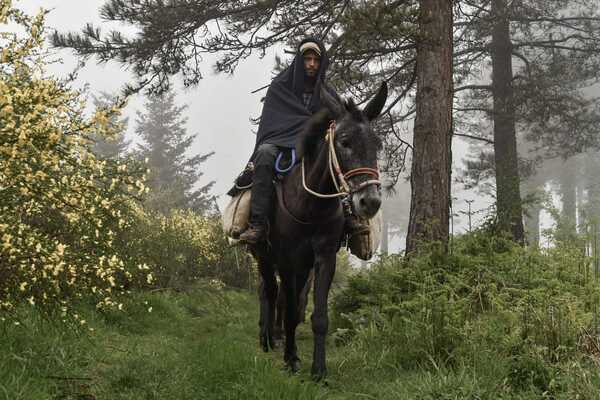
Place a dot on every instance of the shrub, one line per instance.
(182, 247)
(61, 208)
(491, 301)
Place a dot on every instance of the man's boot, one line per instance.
(260, 205)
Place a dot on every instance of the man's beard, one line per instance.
(310, 80)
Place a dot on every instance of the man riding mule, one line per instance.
(292, 97)
(337, 149)
(338, 153)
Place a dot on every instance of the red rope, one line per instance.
(360, 171)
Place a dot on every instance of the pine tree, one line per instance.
(542, 54)
(430, 177)
(115, 147)
(173, 174)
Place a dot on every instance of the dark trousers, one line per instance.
(262, 183)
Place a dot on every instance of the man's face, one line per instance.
(312, 61)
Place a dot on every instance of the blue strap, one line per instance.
(279, 157)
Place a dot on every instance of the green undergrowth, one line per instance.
(492, 321)
(202, 344)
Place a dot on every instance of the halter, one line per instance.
(343, 187)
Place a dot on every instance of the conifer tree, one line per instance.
(115, 147)
(174, 175)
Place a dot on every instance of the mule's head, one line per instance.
(356, 144)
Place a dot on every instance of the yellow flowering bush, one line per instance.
(61, 209)
(179, 247)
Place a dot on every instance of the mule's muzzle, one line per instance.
(366, 202)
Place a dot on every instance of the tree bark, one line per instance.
(580, 205)
(385, 235)
(508, 200)
(568, 193)
(431, 163)
(533, 226)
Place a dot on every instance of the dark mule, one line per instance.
(306, 228)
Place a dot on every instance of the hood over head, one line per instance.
(284, 112)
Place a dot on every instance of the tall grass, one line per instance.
(506, 320)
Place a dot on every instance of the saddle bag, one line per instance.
(365, 244)
(237, 214)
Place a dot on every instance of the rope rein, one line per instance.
(339, 178)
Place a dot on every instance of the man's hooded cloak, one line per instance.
(284, 112)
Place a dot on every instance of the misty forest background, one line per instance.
(116, 280)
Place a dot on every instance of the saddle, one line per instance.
(286, 160)
(237, 215)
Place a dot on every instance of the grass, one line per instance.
(200, 345)
(204, 345)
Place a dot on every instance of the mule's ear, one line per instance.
(332, 103)
(374, 107)
(314, 129)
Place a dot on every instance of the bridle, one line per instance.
(340, 179)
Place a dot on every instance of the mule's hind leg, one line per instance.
(290, 356)
(268, 295)
(324, 271)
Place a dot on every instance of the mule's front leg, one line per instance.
(324, 271)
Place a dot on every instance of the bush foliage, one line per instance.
(183, 247)
(526, 313)
(61, 207)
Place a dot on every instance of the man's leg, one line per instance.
(262, 193)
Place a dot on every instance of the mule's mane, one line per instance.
(314, 128)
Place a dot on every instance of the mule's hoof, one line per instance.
(318, 374)
(267, 342)
(264, 343)
(293, 366)
(273, 343)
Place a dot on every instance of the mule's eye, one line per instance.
(345, 143)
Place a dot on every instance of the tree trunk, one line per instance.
(568, 193)
(580, 206)
(385, 234)
(508, 200)
(533, 186)
(431, 163)
(533, 225)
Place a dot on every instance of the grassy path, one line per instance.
(203, 345)
(200, 345)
